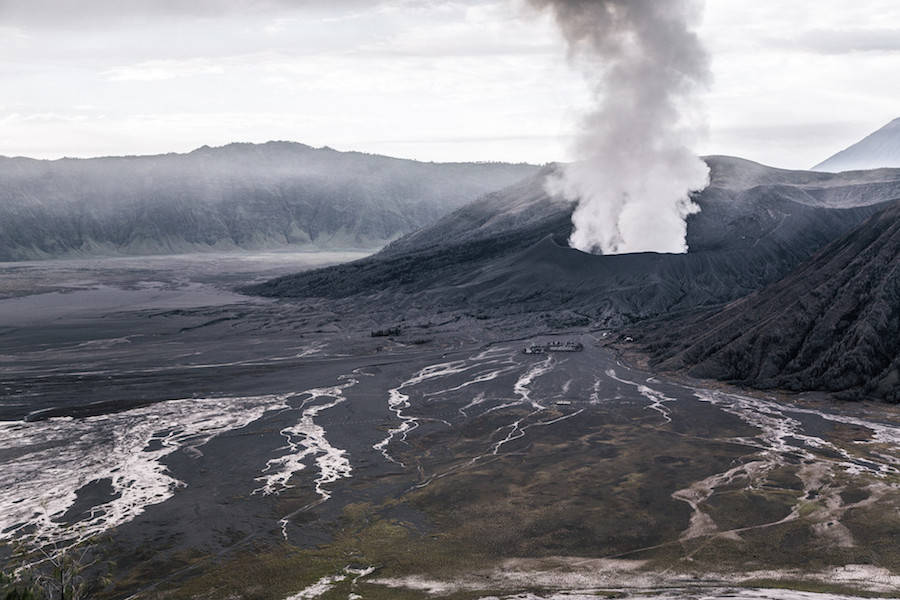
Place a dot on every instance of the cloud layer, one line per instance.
(67, 12)
(439, 80)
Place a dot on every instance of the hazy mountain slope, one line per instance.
(742, 194)
(523, 205)
(434, 271)
(507, 253)
(237, 196)
(880, 149)
(831, 325)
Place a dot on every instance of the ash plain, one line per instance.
(219, 445)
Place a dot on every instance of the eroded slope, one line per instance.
(832, 325)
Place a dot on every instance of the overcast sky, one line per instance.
(794, 81)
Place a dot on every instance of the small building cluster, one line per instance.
(389, 332)
(554, 347)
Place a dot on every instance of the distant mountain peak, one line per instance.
(251, 147)
(877, 150)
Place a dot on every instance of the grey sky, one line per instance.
(437, 80)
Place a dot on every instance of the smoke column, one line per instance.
(634, 170)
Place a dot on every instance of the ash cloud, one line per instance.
(634, 169)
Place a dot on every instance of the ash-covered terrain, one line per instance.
(832, 325)
(267, 426)
(203, 443)
(277, 372)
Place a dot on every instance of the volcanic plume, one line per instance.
(634, 170)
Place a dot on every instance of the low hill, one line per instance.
(832, 325)
(878, 150)
(239, 196)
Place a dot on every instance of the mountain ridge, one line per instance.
(755, 226)
(270, 143)
(238, 196)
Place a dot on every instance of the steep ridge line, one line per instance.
(829, 326)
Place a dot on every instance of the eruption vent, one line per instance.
(634, 171)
